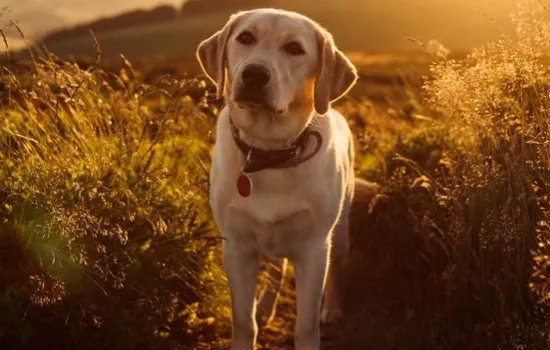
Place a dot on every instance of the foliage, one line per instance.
(105, 234)
(495, 107)
(455, 253)
(106, 240)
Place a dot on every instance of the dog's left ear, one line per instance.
(336, 74)
(212, 55)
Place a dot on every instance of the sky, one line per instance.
(37, 17)
(79, 10)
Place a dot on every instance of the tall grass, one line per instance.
(456, 251)
(495, 109)
(104, 228)
(106, 240)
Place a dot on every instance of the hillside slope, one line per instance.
(363, 26)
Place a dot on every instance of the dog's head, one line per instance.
(275, 68)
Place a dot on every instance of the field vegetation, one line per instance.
(106, 237)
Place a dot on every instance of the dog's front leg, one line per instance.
(310, 271)
(241, 267)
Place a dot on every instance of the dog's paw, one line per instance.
(331, 315)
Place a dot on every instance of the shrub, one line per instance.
(106, 239)
(494, 106)
(105, 233)
(455, 252)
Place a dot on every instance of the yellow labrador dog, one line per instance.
(282, 170)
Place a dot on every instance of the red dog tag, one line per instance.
(244, 185)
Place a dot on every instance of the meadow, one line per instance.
(106, 237)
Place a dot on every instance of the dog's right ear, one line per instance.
(212, 55)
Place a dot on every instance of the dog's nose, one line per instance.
(255, 76)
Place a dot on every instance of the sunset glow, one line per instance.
(175, 177)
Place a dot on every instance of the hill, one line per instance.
(357, 26)
(200, 7)
(124, 20)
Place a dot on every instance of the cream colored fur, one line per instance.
(299, 213)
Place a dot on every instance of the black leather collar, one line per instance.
(258, 159)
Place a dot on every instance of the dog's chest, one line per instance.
(276, 195)
(280, 211)
(276, 223)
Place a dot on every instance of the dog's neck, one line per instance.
(264, 143)
(257, 159)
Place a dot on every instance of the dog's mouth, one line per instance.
(256, 102)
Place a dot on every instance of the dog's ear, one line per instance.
(212, 55)
(336, 74)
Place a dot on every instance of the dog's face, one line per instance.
(270, 59)
(281, 67)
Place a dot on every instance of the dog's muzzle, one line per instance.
(253, 88)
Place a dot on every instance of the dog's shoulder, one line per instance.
(335, 130)
(340, 122)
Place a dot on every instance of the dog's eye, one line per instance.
(246, 38)
(293, 48)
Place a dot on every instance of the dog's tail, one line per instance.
(364, 192)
